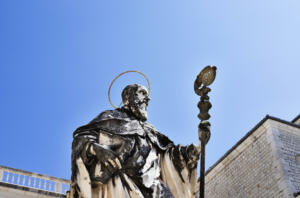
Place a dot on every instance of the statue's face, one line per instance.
(139, 103)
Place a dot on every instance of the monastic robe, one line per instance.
(152, 166)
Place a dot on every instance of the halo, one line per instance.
(121, 75)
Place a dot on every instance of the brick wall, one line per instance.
(264, 165)
(288, 146)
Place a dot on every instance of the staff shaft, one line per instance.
(202, 170)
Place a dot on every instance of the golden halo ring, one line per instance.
(121, 75)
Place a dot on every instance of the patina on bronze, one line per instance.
(204, 79)
(119, 154)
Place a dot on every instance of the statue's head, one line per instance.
(135, 99)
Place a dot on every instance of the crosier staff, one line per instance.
(204, 79)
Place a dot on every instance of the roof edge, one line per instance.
(248, 134)
(296, 118)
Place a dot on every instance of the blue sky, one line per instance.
(58, 57)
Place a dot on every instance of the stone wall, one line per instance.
(14, 191)
(288, 146)
(263, 165)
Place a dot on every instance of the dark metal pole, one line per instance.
(202, 170)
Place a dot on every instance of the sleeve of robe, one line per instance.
(118, 186)
(80, 181)
(82, 162)
(178, 173)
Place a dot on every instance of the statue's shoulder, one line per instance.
(116, 122)
(110, 114)
(105, 116)
(150, 126)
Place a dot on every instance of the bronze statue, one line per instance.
(118, 154)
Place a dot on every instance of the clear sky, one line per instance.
(58, 57)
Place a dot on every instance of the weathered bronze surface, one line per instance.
(119, 154)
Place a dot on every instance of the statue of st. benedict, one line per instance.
(118, 154)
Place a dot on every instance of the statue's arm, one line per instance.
(188, 156)
(81, 142)
(101, 149)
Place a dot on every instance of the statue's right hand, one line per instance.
(204, 131)
(107, 157)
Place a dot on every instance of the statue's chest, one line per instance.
(145, 162)
(142, 153)
(142, 146)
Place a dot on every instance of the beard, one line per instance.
(139, 109)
